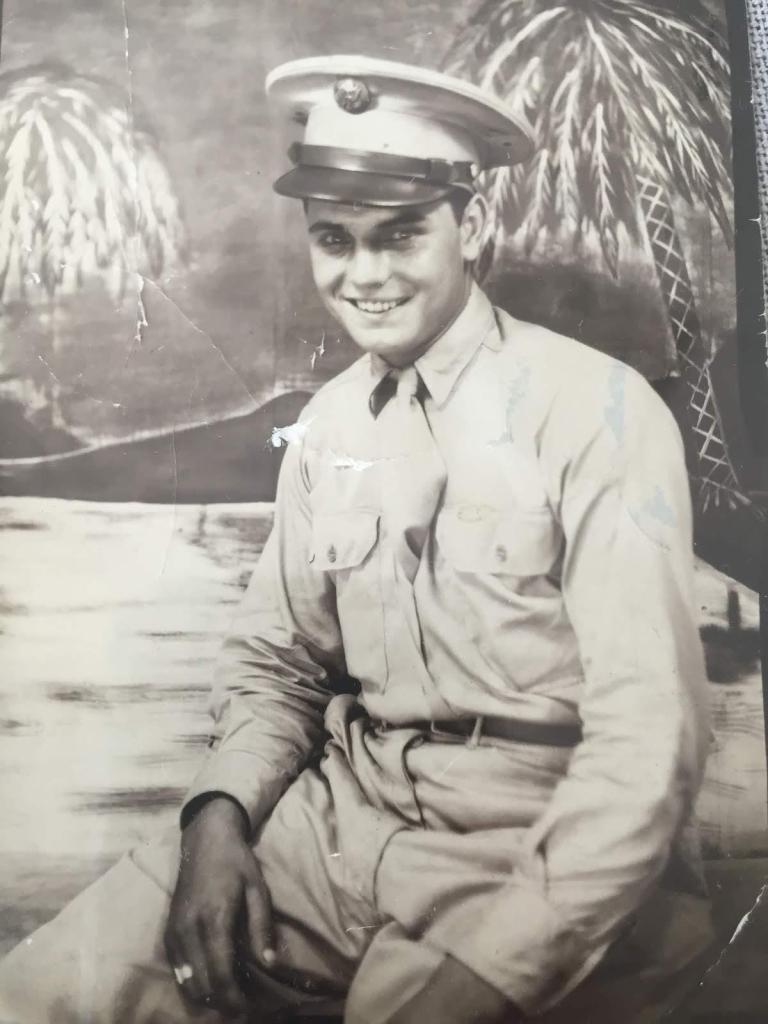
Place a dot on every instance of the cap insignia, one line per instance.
(352, 95)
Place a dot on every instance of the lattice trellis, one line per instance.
(717, 478)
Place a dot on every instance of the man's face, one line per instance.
(395, 278)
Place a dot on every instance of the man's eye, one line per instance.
(332, 243)
(400, 238)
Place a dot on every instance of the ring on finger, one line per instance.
(183, 973)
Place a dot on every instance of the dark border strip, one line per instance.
(750, 308)
(753, 374)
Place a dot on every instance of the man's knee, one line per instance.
(103, 945)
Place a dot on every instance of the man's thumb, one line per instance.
(260, 921)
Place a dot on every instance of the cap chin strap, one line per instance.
(443, 173)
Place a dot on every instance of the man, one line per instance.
(461, 715)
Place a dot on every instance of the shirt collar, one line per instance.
(444, 361)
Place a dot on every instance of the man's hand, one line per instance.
(219, 886)
(456, 995)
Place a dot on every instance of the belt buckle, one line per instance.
(477, 731)
(456, 737)
(441, 733)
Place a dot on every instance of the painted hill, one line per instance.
(228, 460)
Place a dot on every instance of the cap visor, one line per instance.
(338, 186)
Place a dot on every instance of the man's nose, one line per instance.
(368, 268)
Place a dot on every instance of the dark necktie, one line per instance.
(414, 472)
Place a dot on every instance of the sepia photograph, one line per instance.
(383, 512)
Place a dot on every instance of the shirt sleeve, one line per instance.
(275, 673)
(627, 581)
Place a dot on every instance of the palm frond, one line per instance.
(657, 71)
(83, 195)
(567, 108)
(602, 183)
(540, 201)
(508, 48)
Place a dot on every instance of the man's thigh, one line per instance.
(321, 889)
(102, 959)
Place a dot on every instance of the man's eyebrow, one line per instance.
(325, 225)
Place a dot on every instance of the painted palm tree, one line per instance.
(84, 194)
(629, 99)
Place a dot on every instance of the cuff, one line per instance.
(196, 803)
(253, 783)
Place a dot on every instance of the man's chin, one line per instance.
(392, 349)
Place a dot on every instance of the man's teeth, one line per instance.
(375, 307)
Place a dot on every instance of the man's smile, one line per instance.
(375, 306)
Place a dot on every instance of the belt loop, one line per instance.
(477, 729)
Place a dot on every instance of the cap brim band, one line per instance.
(344, 186)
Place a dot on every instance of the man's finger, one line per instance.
(260, 931)
(218, 940)
(188, 963)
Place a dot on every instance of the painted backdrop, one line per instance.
(158, 323)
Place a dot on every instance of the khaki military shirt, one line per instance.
(555, 585)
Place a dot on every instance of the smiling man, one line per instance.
(394, 280)
(461, 716)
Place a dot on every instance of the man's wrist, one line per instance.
(219, 807)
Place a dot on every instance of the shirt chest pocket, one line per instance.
(345, 546)
(520, 543)
(343, 540)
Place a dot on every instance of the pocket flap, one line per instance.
(343, 540)
(522, 543)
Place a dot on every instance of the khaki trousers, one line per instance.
(349, 869)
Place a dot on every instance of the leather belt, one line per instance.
(493, 727)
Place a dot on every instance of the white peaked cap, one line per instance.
(382, 133)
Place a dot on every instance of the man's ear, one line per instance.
(472, 228)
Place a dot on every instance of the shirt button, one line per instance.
(501, 553)
(331, 552)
